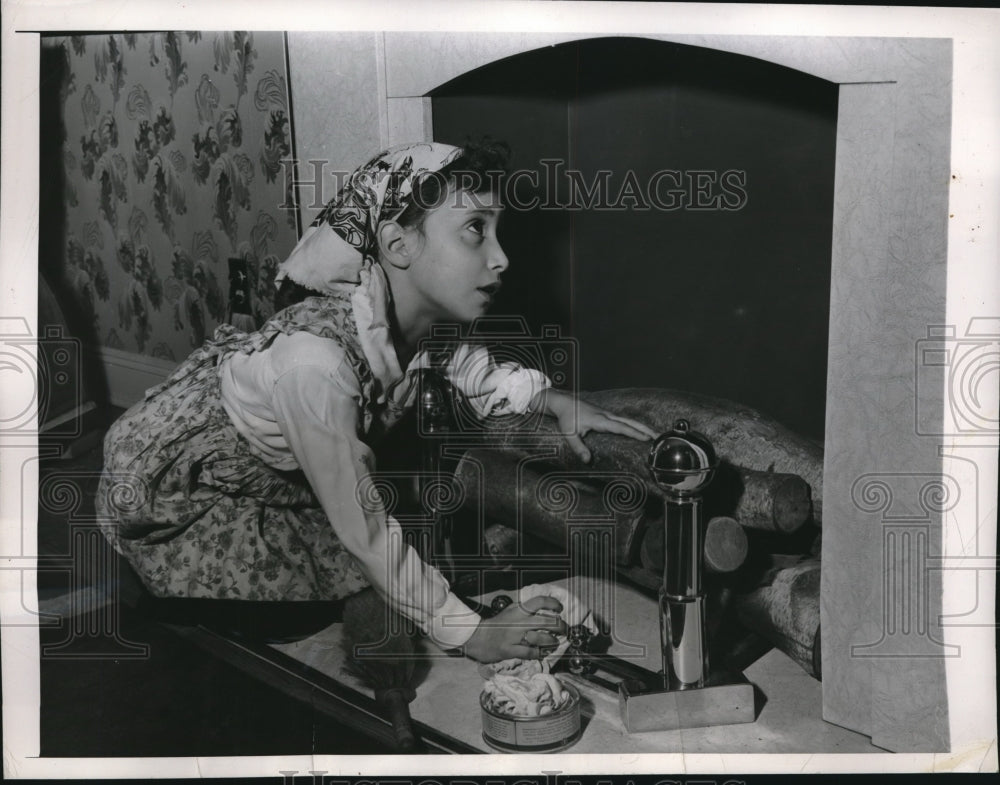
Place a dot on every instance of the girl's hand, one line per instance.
(577, 418)
(573, 612)
(519, 630)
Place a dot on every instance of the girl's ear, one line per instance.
(395, 245)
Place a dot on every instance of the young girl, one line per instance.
(241, 476)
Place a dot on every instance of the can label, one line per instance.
(535, 734)
(538, 734)
(499, 730)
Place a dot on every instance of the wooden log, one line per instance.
(516, 496)
(725, 545)
(506, 491)
(772, 501)
(764, 501)
(741, 436)
(785, 611)
(501, 542)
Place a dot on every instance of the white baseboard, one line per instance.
(130, 375)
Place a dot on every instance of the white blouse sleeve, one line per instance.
(317, 411)
(491, 387)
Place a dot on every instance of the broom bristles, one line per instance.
(379, 642)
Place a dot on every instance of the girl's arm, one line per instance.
(317, 411)
(493, 388)
(507, 388)
(577, 418)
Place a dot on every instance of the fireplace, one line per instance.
(884, 106)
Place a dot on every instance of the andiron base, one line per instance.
(643, 709)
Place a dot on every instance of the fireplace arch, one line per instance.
(680, 230)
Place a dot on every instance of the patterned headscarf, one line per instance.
(342, 240)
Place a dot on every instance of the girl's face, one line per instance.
(457, 270)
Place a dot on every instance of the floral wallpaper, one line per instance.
(173, 161)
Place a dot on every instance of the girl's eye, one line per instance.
(478, 226)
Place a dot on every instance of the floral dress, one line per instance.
(196, 511)
(200, 510)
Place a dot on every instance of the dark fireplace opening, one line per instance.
(674, 215)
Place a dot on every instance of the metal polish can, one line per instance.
(550, 732)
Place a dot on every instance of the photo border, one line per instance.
(972, 291)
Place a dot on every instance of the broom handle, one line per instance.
(396, 706)
(394, 700)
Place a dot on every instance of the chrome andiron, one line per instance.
(682, 463)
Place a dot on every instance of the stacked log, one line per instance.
(742, 437)
(726, 545)
(549, 505)
(785, 611)
(768, 487)
(508, 489)
(773, 501)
